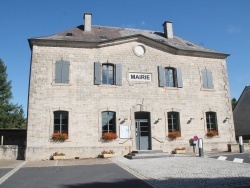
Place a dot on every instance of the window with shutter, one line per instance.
(107, 74)
(118, 74)
(62, 72)
(161, 76)
(207, 79)
(170, 77)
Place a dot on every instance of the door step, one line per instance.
(145, 154)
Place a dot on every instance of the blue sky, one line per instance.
(222, 25)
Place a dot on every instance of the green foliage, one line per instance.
(233, 102)
(11, 115)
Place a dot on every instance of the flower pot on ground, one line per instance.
(179, 150)
(59, 137)
(109, 136)
(57, 156)
(108, 153)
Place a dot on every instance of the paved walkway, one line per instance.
(173, 171)
(188, 171)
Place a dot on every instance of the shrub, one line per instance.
(108, 136)
(174, 134)
(183, 148)
(58, 154)
(107, 152)
(59, 137)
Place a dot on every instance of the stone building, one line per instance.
(143, 85)
(241, 115)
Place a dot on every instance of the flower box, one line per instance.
(180, 151)
(108, 155)
(109, 136)
(58, 157)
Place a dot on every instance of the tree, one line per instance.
(233, 102)
(11, 115)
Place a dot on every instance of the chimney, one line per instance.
(168, 29)
(87, 21)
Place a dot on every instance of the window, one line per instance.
(170, 77)
(211, 121)
(62, 72)
(108, 122)
(107, 74)
(207, 79)
(61, 121)
(173, 122)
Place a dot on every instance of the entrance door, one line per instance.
(142, 134)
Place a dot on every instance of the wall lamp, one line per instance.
(157, 121)
(226, 119)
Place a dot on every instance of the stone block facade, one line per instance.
(85, 101)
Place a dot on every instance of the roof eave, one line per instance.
(109, 42)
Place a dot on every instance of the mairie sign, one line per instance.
(145, 77)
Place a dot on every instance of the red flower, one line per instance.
(109, 136)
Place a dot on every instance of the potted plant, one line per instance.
(107, 153)
(57, 156)
(179, 150)
(109, 136)
(174, 134)
(212, 133)
(59, 137)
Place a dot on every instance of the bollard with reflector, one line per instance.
(200, 144)
(241, 144)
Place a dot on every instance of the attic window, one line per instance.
(69, 34)
(103, 37)
(189, 44)
(160, 40)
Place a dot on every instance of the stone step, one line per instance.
(145, 154)
(147, 151)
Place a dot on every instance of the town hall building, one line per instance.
(151, 89)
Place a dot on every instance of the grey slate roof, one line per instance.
(77, 34)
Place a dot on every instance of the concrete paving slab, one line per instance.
(9, 163)
(67, 162)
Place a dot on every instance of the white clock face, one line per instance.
(139, 50)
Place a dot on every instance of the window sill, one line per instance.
(107, 85)
(60, 84)
(172, 88)
(205, 89)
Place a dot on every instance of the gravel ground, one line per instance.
(188, 171)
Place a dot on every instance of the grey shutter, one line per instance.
(97, 73)
(65, 72)
(118, 74)
(58, 72)
(179, 77)
(161, 76)
(204, 78)
(210, 84)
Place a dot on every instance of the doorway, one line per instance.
(142, 131)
